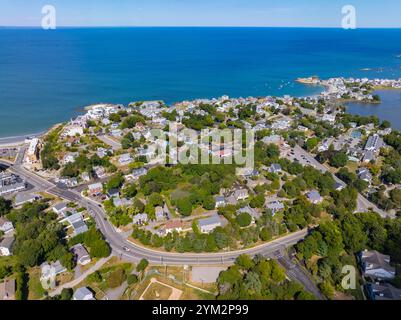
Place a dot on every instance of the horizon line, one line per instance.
(193, 26)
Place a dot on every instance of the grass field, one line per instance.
(35, 288)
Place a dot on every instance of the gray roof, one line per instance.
(7, 242)
(60, 206)
(374, 143)
(12, 188)
(79, 227)
(376, 260)
(143, 217)
(385, 291)
(79, 251)
(82, 293)
(275, 167)
(314, 196)
(275, 206)
(213, 220)
(139, 172)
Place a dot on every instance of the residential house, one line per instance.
(95, 189)
(247, 172)
(173, 225)
(207, 225)
(83, 293)
(255, 215)
(314, 197)
(241, 194)
(124, 202)
(275, 206)
(6, 246)
(220, 201)
(137, 173)
(376, 265)
(140, 219)
(275, 168)
(364, 174)
(329, 118)
(85, 177)
(99, 171)
(338, 186)
(382, 291)
(368, 156)
(70, 157)
(5, 225)
(374, 143)
(125, 159)
(81, 255)
(102, 152)
(60, 208)
(51, 270)
(112, 193)
(77, 222)
(7, 290)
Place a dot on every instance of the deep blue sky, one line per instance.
(276, 13)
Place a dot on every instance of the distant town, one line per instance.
(87, 212)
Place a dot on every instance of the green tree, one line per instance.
(5, 206)
(66, 294)
(142, 265)
(184, 206)
(245, 262)
(131, 279)
(338, 159)
(258, 201)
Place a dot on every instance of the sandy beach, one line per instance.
(18, 140)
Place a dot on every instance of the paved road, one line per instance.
(112, 143)
(364, 204)
(136, 252)
(295, 272)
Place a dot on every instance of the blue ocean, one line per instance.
(48, 76)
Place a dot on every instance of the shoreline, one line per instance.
(18, 140)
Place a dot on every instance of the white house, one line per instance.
(5, 225)
(70, 157)
(83, 293)
(50, 270)
(60, 208)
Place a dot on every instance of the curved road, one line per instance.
(136, 252)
